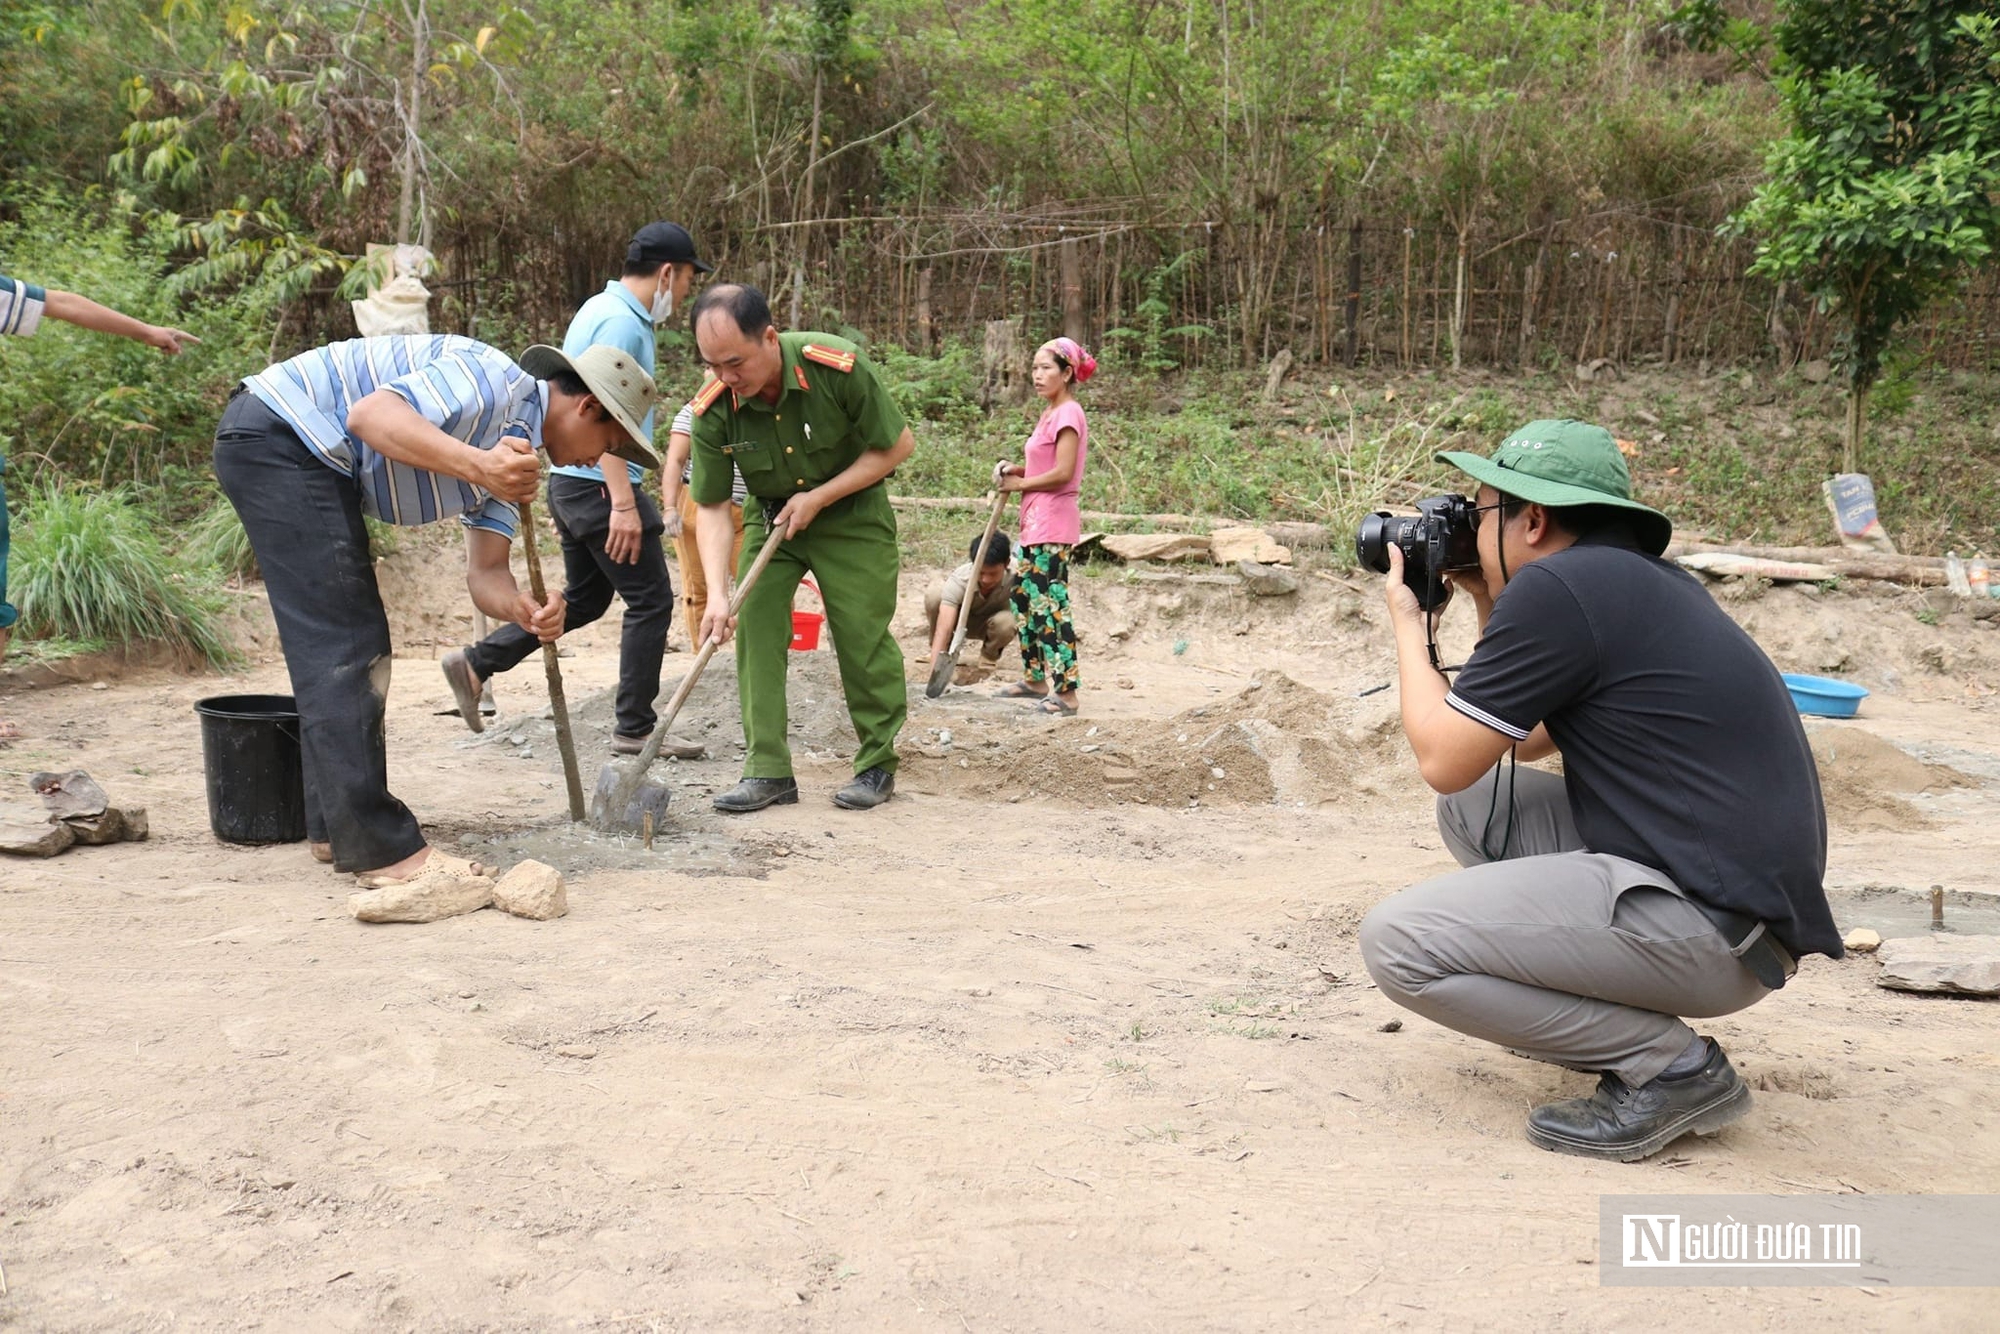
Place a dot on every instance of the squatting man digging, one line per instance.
(408, 430)
(1673, 869)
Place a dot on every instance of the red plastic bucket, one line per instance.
(805, 630)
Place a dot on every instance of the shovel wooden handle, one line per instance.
(558, 701)
(965, 602)
(645, 758)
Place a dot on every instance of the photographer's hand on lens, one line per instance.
(1401, 598)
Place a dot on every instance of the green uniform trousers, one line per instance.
(852, 552)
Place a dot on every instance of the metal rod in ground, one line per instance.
(558, 702)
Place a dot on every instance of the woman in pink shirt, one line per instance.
(1050, 526)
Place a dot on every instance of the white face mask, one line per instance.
(663, 301)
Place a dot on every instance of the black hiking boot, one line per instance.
(1625, 1124)
(754, 794)
(870, 788)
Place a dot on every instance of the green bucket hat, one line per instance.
(1559, 463)
(617, 381)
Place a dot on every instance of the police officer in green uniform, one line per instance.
(814, 433)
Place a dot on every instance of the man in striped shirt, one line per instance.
(408, 430)
(22, 307)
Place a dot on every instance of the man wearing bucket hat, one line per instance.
(1674, 867)
(610, 529)
(407, 430)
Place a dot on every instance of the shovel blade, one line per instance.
(620, 805)
(941, 671)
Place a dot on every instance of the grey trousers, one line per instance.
(1560, 954)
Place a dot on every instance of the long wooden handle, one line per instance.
(979, 559)
(708, 648)
(558, 702)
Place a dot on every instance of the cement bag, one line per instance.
(400, 305)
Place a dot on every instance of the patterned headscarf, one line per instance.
(1071, 354)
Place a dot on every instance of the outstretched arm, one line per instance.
(85, 313)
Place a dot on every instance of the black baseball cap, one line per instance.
(664, 243)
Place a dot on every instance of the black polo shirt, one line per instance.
(1681, 748)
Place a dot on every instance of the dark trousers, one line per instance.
(304, 523)
(582, 511)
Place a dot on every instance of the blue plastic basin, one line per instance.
(1823, 696)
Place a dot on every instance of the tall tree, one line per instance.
(1886, 192)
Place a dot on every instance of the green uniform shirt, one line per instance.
(831, 406)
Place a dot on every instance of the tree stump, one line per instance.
(1006, 371)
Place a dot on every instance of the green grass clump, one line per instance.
(216, 541)
(89, 565)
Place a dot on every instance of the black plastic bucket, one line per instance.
(256, 780)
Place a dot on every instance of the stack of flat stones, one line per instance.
(70, 809)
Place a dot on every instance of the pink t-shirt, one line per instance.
(1051, 517)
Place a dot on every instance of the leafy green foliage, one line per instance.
(92, 405)
(89, 565)
(1149, 344)
(1887, 190)
(944, 388)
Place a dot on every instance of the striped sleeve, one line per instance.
(494, 516)
(1492, 720)
(21, 306)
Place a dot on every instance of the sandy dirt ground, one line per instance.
(1073, 1034)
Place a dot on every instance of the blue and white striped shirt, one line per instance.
(21, 306)
(465, 389)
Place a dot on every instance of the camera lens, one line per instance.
(1371, 542)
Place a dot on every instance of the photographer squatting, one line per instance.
(1672, 871)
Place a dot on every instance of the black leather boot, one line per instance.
(870, 788)
(754, 794)
(1625, 1124)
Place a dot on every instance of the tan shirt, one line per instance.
(983, 605)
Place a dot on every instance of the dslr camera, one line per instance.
(1442, 535)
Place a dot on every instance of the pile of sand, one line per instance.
(1276, 740)
(1861, 776)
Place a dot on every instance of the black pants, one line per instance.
(582, 511)
(304, 523)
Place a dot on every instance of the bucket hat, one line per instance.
(1558, 463)
(618, 382)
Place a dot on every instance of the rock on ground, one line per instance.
(429, 901)
(1226, 546)
(95, 830)
(1157, 546)
(27, 831)
(1266, 581)
(533, 890)
(1962, 965)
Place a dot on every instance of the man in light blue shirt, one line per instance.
(610, 529)
(408, 430)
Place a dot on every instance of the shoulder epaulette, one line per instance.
(828, 356)
(706, 398)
